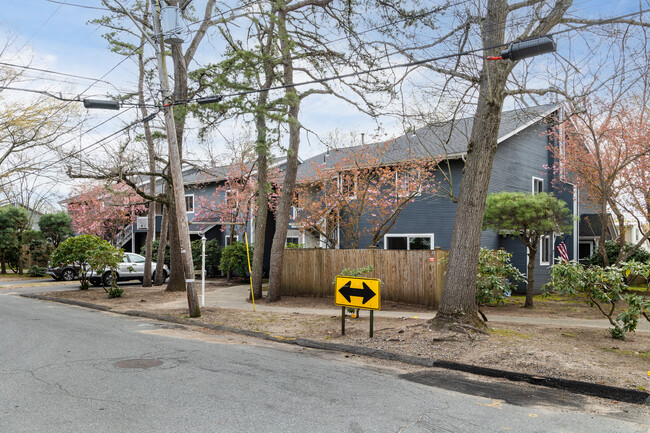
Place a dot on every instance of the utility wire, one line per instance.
(64, 74)
(78, 5)
(412, 63)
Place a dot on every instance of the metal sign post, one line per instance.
(356, 292)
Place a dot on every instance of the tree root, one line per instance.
(454, 327)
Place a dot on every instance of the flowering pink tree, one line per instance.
(233, 202)
(104, 211)
(362, 193)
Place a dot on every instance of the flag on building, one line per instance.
(564, 254)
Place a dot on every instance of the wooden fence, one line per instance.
(413, 277)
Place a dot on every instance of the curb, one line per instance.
(574, 386)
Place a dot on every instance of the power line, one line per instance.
(412, 63)
(64, 74)
(78, 5)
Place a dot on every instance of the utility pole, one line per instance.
(176, 170)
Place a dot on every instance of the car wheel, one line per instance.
(67, 274)
(108, 279)
(165, 276)
(96, 282)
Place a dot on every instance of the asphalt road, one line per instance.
(67, 369)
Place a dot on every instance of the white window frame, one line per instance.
(286, 241)
(591, 247)
(541, 181)
(397, 182)
(186, 209)
(551, 245)
(340, 177)
(408, 236)
(227, 238)
(293, 213)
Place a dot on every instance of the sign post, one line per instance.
(356, 292)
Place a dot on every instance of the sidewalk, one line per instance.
(235, 297)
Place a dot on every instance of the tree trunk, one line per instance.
(530, 282)
(162, 247)
(20, 254)
(458, 307)
(286, 200)
(176, 281)
(151, 214)
(262, 204)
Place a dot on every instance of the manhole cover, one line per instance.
(138, 363)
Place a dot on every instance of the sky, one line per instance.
(58, 37)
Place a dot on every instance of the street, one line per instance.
(67, 369)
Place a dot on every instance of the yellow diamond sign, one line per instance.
(357, 293)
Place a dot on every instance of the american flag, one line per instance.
(564, 254)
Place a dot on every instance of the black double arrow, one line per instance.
(366, 293)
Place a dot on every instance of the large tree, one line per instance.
(465, 45)
(56, 227)
(14, 221)
(529, 218)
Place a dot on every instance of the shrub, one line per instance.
(115, 292)
(612, 249)
(92, 253)
(496, 277)
(36, 271)
(234, 259)
(213, 253)
(605, 289)
(154, 251)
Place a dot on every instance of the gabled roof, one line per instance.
(193, 176)
(442, 140)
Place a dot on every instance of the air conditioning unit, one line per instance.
(143, 223)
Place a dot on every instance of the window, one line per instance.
(408, 183)
(538, 185)
(292, 240)
(230, 199)
(293, 213)
(408, 242)
(230, 240)
(545, 250)
(347, 185)
(135, 258)
(189, 203)
(585, 250)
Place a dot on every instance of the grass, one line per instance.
(550, 298)
(642, 289)
(509, 333)
(568, 334)
(627, 352)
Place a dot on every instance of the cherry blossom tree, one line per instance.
(103, 210)
(361, 193)
(233, 201)
(604, 151)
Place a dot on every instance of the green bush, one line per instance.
(154, 251)
(605, 289)
(234, 259)
(496, 278)
(612, 249)
(213, 253)
(115, 292)
(36, 271)
(93, 253)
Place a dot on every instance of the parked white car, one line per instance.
(131, 268)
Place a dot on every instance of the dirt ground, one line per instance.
(586, 354)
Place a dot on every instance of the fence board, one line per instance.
(406, 276)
